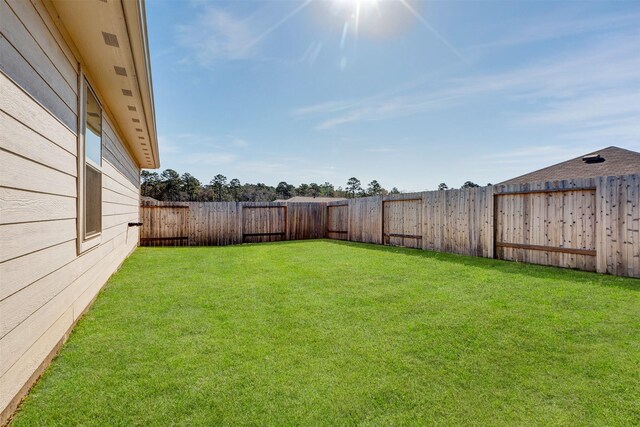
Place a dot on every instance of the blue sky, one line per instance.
(411, 93)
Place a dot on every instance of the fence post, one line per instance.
(601, 228)
(240, 224)
(493, 206)
(382, 219)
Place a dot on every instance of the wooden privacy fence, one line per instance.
(229, 223)
(589, 224)
(165, 225)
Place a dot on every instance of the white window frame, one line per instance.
(85, 242)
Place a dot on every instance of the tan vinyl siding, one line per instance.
(21, 206)
(29, 58)
(23, 141)
(115, 153)
(45, 284)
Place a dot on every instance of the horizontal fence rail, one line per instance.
(588, 224)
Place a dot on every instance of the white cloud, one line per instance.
(208, 158)
(167, 146)
(199, 149)
(553, 29)
(588, 108)
(239, 142)
(217, 35)
(383, 150)
(598, 83)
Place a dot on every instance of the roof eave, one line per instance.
(110, 42)
(136, 21)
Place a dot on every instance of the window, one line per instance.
(89, 169)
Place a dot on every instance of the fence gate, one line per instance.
(164, 226)
(338, 221)
(264, 223)
(552, 227)
(402, 222)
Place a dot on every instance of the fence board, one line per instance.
(619, 225)
(365, 220)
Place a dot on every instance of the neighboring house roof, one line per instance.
(613, 161)
(302, 199)
(111, 38)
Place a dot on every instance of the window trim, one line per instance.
(85, 242)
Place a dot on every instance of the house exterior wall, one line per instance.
(45, 284)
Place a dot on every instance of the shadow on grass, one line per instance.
(504, 267)
(501, 266)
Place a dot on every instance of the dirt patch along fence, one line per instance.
(590, 224)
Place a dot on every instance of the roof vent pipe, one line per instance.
(593, 158)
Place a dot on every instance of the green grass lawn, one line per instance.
(331, 333)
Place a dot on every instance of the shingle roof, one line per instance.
(617, 161)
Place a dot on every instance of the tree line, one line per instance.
(169, 185)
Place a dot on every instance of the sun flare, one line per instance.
(364, 3)
(355, 7)
(372, 18)
(383, 18)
